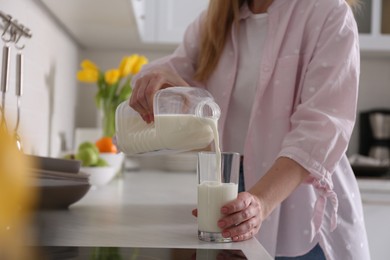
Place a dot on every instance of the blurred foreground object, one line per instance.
(17, 198)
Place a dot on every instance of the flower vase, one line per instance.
(108, 120)
(108, 130)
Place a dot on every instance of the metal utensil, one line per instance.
(4, 84)
(18, 92)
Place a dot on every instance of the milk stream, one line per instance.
(213, 125)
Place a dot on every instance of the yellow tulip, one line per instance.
(88, 65)
(88, 75)
(127, 64)
(112, 76)
(142, 60)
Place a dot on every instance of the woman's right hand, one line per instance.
(147, 85)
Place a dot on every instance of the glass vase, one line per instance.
(108, 120)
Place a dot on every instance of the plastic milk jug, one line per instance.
(185, 118)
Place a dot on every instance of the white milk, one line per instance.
(184, 132)
(168, 132)
(214, 127)
(211, 197)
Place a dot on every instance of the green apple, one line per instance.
(101, 162)
(87, 156)
(88, 145)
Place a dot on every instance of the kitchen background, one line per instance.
(64, 33)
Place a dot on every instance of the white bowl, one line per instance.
(99, 176)
(114, 160)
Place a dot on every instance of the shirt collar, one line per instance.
(245, 12)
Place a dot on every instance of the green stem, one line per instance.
(108, 119)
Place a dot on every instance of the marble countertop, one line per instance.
(140, 209)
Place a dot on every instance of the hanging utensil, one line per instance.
(4, 83)
(5, 68)
(18, 92)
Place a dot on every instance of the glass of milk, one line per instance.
(218, 175)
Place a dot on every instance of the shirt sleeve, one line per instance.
(183, 60)
(324, 118)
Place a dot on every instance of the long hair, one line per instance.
(221, 15)
(219, 19)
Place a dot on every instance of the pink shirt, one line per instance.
(304, 109)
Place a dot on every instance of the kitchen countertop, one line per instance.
(375, 189)
(141, 209)
(374, 183)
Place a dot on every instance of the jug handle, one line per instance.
(216, 111)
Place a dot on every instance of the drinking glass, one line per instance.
(216, 187)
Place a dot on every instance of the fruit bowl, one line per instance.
(114, 160)
(99, 176)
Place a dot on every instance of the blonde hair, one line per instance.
(353, 3)
(221, 15)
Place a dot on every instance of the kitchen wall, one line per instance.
(49, 98)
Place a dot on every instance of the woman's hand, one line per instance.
(243, 217)
(147, 85)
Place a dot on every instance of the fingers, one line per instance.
(145, 88)
(243, 231)
(242, 202)
(195, 212)
(243, 218)
(138, 100)
(239, 217)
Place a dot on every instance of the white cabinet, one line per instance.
(373, 18)
(165, 21)
(376, 207)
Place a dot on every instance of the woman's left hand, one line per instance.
(243, 217)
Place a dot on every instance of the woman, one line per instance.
(285, 74)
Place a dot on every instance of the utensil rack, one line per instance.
(12, 32)
(14, 28)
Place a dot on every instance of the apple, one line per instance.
(101, 162)
(88, 145)
(87, 156)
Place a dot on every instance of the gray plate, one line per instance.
(56, 164)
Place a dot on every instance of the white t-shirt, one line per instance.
(248, 73)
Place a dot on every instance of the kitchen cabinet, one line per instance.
(376, 206)
(374, 25)
(165, 21)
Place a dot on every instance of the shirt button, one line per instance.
(266, 69)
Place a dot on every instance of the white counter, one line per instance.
(143, 209)
(374, 189)
(375, 193)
